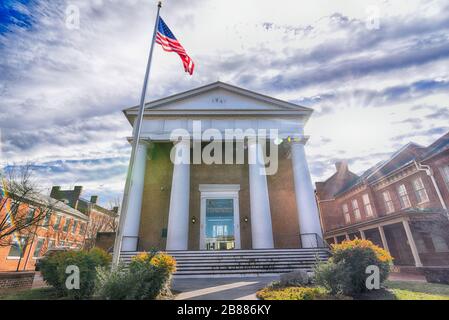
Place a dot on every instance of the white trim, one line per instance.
(219, 191)
(219, 187)
(288, 106)
(12, 258)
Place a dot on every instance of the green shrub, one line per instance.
(54, 268)
(344, 273)
(147, 277)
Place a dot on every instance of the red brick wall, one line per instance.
(332, 212)
(408, 182)
(436, 164)
(27, 262)
(16, 280)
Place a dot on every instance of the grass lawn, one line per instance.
(410, 290)
(32, 294)
(394, 290)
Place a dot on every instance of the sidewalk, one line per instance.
(395, 276)
(243, 288)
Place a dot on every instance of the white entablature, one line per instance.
(220, 106)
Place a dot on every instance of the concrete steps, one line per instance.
(234, 263)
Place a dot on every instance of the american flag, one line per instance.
(168, 41)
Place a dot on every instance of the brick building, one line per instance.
(400, 204)
(100, 219)
(63, 226)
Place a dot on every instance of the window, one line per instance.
(420, 191)
(38, 248)
(346, 213)
(440, 244)
(75, 224)
(66, 225)
(445, 173)
(18, 248)
(51, 244)
(30, 215)
(367, 204)
(57, 223)
(389, 207)
(403, 197)
(46, 221)
(356, 210)
(61, 243)
(82, 228)
(14, 207)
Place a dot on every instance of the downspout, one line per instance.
(429, 172)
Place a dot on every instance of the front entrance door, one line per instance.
(220, 228)
(220, 224)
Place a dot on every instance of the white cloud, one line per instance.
(62, 91)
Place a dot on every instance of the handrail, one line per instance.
(316, 241)
(137, 244)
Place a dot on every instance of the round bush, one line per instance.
(147, 277)
(345, 272)
(54, 268)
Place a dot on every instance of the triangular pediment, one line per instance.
(220, 97)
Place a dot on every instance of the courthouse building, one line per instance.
(216, 206)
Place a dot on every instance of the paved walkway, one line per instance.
(395, 276)
(243, 288)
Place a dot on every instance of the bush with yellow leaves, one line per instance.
(346, 271)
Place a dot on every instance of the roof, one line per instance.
(400, 159)
(61, 206)
(288, 106)
(56, 205)
(84, 206)
(440, 145)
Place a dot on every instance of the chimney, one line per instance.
(341, 165)
(115, 209)
(94, 199)
(76, 195)
(55, 192)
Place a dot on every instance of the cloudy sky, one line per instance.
(376, 73)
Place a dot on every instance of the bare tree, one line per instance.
(114, 206)
(22, 207)
(100, 221)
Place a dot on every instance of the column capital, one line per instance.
(182, 142)
(144, 141)
(298, 140)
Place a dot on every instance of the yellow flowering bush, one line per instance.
(382, 254)
(148, 277)
(164, 261)
(293, 293)
(345, 272)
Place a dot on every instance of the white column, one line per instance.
(309, 220)
(261, 228)
(178, 216)
(132, 222)
(383, 238)
(412, 244)
(362, 234)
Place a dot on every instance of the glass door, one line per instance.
(219, 228)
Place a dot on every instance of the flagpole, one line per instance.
(135, 144)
